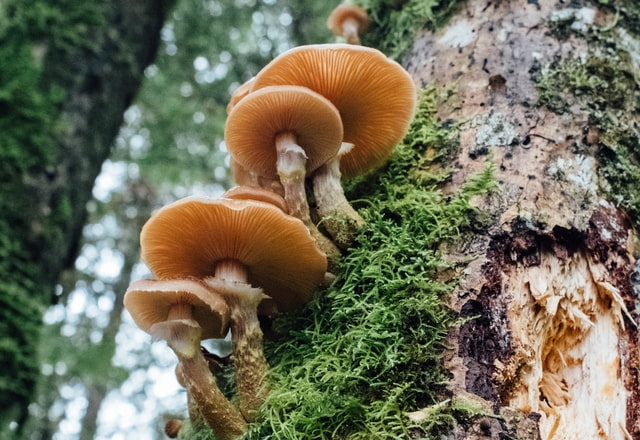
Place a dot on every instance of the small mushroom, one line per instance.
(183, 312)
(348, 21)
(172, 428)
(286, 131)
(376, 99)
(243, 250)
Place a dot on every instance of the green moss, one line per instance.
(607, 89)
(66, 25)
(598, 84)
(369, 348)
(626, 13)
(29, 109)
(394, 24)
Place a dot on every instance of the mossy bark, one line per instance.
(68, 71)
(549, 93)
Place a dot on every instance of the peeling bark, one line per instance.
(551, 331)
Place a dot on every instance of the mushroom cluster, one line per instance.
(310, 116)
(217, 265)
(316, 113)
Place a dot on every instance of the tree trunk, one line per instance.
(549, 92)
(77, 67)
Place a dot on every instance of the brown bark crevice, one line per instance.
(499, 353)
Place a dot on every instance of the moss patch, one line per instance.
(607, 88)
(368, 349)
(394, 23)
(29, 125)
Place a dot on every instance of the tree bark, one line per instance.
(89, 61)
(550, 338)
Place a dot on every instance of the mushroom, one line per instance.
(376, 99)
(243, 192)
(242, 249)
(243, 90)
(286, 131)
(348, 21)
(172, 428)
(183, 312)
(243, 177)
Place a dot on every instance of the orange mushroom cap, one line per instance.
(375, 96)
(344, 12)
(149, 303)
(190, 236)
(244, 192)
(254, 122)
(243, 90)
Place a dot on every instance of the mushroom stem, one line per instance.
(180, 311)
(351, 30)
(251, 366)
(336, 213)
(232, 270)
(224, 419)
(246, 335)
(291, 165)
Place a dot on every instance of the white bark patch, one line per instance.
(496, 130)
(630, 45)
(568, 327)
(458, 35)
(579, 171)
(582, 18)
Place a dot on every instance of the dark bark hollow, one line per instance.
(551, 331)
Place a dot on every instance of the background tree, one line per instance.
(68, 72)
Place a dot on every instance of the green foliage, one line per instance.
(369, 348)
(84, 360)
(62, 24)
(394, 23)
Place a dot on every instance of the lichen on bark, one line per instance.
(550, 92)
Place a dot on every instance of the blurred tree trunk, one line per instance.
(549, 92)
(68, 70)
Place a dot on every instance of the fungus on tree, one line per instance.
(243, 90)
(289, 132)
(183, 312)
(242, 250)
(348, 21)
(243, 192)
(376, 99)
(243, 177)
